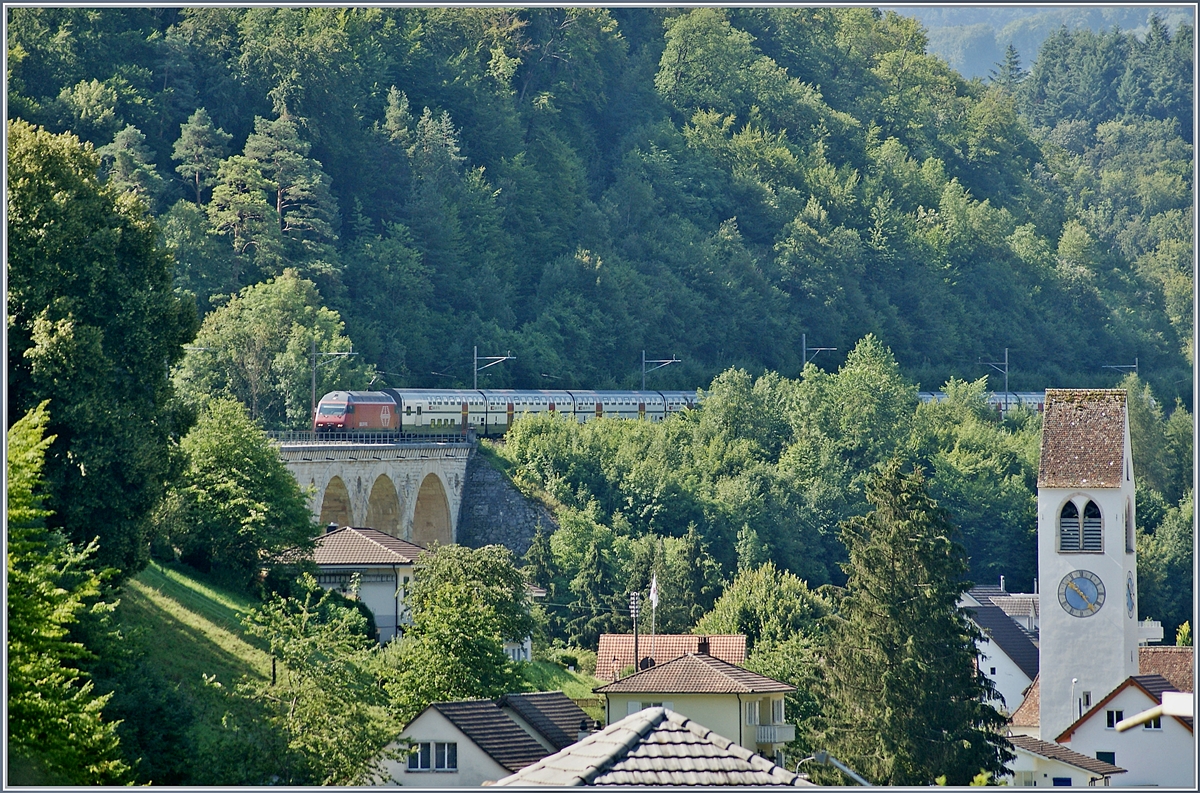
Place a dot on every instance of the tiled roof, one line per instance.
(1029, 712)
(1056, 751)
(1173, 663)
(1083, 438)
(655, 746)
(663, 648)
(695, 674)
(1016, 605)
(551, 713)
(493, 731)
(1008, 636)
(1152, 686)
(349, 545)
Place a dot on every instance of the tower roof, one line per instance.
(1083, 438)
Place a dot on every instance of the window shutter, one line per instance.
(634, 707)
(1092, 535)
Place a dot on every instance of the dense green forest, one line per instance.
(575, 186)
(198, 199)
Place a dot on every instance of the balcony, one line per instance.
(776, 733)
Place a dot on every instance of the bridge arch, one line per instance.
(335, 505)
(383, 507)
(431, 514)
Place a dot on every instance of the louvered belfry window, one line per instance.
(1092, 535)
(1068, 528)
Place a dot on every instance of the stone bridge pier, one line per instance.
(411, 491)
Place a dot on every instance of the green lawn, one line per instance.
(546, 676)
(189, 627)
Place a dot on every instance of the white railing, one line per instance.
(776, 733)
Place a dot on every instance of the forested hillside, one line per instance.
(575, 186)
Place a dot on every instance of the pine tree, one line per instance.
(906, 700)
(129, 163)
(199, 150)
(1008, 74)
(592, 607)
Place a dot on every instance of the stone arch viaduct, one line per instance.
(411, 491)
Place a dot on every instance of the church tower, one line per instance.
(1087, 565)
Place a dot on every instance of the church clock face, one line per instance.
(1081, 593)
(1130, 599)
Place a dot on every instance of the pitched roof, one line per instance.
(663, 648)
(1083, 438)
(551, 713)
(493, 731)
(695, 674)
(1173, 663)
(1028, 714)
(1008, 636)
(1061, 753)
(1151, 685)
(655, 746)
(355, 546)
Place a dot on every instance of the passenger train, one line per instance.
(411, 411)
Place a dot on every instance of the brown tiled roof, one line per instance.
(663, 648)
(654, 746)
(1173, 663)
(493, 731)
(1061, 753)
(1028, 714)
(551, 713)
(352, 546)
(695, 674)
(1152, 686)
(1083, 438)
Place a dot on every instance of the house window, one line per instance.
(1153, 724)
(1111, 717)
(752, 712)
(1024, 779)
(1087, 699)
(993, 671)
(1130, 539)
(1068, 528)
(1107, 757)
(1093, 541)
(777, 711)
(434, 756)
(1061, 781)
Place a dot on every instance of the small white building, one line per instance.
(1006, 655)
(1042, 764)
(1161, 752)
(383, 564)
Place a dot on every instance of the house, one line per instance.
(551, 717)
(1161, 752)
(616, 650)
(383, 563)
(655, 746)
(747, 707)
(523, 650)
(1026, 719)
(1042, 764)
(1173, 663)
(1006, 655)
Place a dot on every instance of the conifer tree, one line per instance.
(129, 163)
(199, 150)
(905, 699)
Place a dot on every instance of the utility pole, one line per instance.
(495, 359)
(661, 363)
(1001, 367)
(804, 348)
(1123, 367)
(635, 604)
(313, 355)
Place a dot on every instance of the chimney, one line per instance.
(1001, 583)
(702, 647)
(586, 728)
(332, 526)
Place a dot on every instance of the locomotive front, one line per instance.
(332, 412)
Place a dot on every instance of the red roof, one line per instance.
(662, 648)
(1173, 663)
(1083, 438)
(1028, 713)
(695, 674)
(353, 546)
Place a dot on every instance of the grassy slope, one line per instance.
(192, 627)
(546, 676)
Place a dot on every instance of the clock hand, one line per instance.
(1078, 591)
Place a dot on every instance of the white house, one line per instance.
(1161, 752)
(383, 563)
(1006, 655)
(1043, 764)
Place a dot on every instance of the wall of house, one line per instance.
(378, 592)
(721, 713)
(1152, 757)
(495, 513)
(474, 766)
(1029, 769)
(1010, 681)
